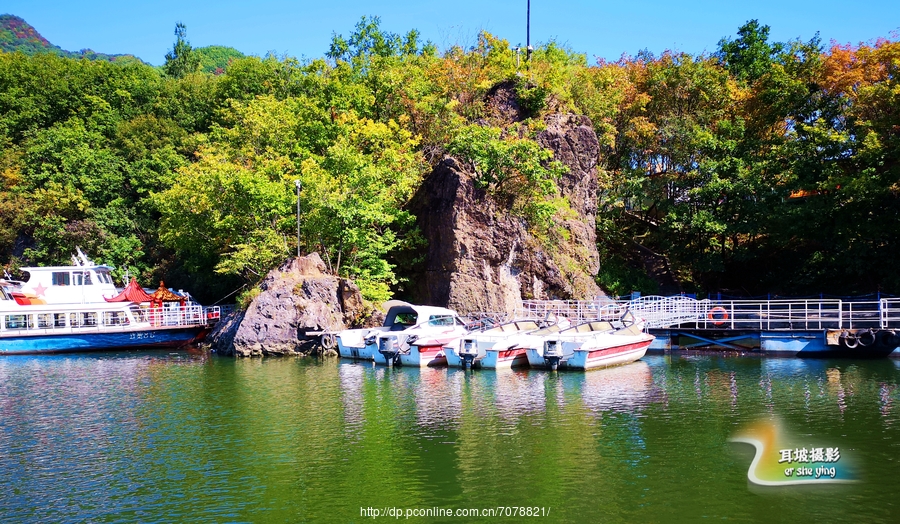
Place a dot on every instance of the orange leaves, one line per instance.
(848, 68)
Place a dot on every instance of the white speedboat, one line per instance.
(511, 351)
(590, 345)
(427, 351)
(472, 348)
(403, 325)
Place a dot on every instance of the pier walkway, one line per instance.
(781, 326)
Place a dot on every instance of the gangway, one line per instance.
(661, 312)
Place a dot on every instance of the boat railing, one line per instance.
(213, 314)
(795, 314)
(51, 320)
(572, 310)
(178, 316)
(658, 311)
(890, 312)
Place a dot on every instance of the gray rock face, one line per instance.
(295, 298)
(480, 257)
(574, 143)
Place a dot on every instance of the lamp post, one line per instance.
(528, 48)
(297, 183)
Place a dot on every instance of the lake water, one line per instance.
(176, 437)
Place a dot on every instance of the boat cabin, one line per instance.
(403, 316)
(84, 282)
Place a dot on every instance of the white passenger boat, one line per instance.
(404, 324)
(66, 308)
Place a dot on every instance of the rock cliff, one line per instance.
(480, 257)
(297, 297)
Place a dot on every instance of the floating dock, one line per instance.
(789, 327)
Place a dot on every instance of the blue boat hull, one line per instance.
(76, 342)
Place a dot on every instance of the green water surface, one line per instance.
(185, 437)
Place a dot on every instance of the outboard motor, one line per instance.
(389, 346)
(468, 350)
(553, 353)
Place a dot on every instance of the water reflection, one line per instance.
(351, 377)
(624, 389)
(131, 438)
(441, 397)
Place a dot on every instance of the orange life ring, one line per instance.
(718, 315)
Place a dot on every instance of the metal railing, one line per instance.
(573, 310)
(890, 312)
(768, 315)
(660, 311)
(774, 315)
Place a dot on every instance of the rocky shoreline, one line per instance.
(294, 299)
(480, 256)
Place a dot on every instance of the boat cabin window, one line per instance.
(82, 279)
(17, 321)
(104, 277)
(441, 320)
(85, 319)
(400, 319)
(140, 315)
(115, 318)
(61, 279)
(407, 319)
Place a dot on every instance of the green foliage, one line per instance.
(356, 194)
(368, 41)
(515, 170)
(532, 99)
(181, 60)
(245, 298)
(228, 214)
(750, 56)
(215, 59)
(768, 167)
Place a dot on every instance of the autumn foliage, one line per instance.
(766, 167)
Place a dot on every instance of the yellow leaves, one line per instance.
(871, 142)
(10, 177)
(641, 129)
(55, 198)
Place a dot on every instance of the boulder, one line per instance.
(298, 297)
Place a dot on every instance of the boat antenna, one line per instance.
(84, 258)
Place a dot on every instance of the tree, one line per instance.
(181, 60)
(749, 56)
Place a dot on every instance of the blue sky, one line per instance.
(304, 28)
